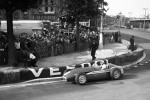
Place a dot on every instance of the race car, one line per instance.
(99, 70)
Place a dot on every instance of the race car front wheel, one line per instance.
(115, 74)
(81, 79)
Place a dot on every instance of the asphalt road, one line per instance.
(135, 85)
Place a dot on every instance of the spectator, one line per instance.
(2, 52)
(3, 49)
(112, 38)
(29, 59)
(93, 47)
(18, 50)
(132, 43)
(116, 36)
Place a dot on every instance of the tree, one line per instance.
(80, 9)
(10, 6)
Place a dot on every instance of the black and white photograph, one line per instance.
(74, 50)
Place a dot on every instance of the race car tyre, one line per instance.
(115, 74)
(81, 79)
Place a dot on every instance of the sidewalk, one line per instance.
(109, 50)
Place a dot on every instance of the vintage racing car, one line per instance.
(99, 70)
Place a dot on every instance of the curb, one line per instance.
(136, 62)
(61, 78)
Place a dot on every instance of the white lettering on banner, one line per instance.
(53, 71)
(68, 67)
(36, 74)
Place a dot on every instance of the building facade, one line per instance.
(47, 11)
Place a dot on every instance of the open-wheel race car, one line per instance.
(99, 70)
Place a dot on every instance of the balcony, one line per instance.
(49, 12)
(43, 16)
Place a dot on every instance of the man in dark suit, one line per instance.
(93, 48)
(132, 43)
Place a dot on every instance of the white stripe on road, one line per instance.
(135, 66)
(42, 79)
(146, 62)
(27, 84)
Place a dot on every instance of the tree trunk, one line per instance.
(11, 45)
(77, 35)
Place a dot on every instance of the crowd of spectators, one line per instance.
(3, 48)
(42, 45)
(30, 48)
(53, 44)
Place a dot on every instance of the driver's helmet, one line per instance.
(101, 62)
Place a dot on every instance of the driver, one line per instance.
(100, 65)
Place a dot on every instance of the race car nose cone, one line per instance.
(64, 78)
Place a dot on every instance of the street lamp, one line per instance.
(144, 17)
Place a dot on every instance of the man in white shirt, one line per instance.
(17, 44)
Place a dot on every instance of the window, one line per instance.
(46, 2)
(43, 9)
(52, 9)
(52, 2)
(46, 9)
(25, 15)
(38, 17)
(16, 14)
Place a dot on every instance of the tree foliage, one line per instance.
(81, 9)
(22, 5)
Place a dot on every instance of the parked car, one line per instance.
(98, 71)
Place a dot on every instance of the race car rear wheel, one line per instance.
(81, 79)
(115, 74)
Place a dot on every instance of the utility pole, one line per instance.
(145, 9)
(119, 19)
(89, 26)
(0, 20)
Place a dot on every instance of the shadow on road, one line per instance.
(129, 76)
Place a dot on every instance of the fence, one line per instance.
(58, 49)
